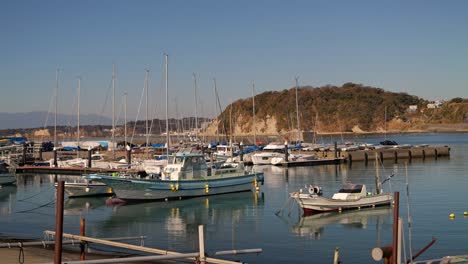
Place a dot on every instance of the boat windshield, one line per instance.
(351, 188)
(175, 160)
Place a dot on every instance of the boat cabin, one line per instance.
(185, 166)
(351, 192)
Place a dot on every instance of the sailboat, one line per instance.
(186, 175)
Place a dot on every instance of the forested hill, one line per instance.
(349, 108)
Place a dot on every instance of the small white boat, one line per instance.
(351, 196)
(86, 189)
(269, 152)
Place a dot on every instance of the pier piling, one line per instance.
(59, 223)
(82, 244)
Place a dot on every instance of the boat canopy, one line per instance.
(351, 188)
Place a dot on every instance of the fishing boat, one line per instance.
(186, 175)
(351, 196)
(6, 177)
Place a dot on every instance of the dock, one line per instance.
(397, 153)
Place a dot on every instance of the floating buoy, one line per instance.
(452, 215)
(465, 213)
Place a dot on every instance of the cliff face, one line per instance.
(330, 109)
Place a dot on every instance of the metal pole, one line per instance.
(59, 223)
(133, 247)
(82, 244)
(396, 209)
(201, 244)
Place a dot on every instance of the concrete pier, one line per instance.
(393, 153)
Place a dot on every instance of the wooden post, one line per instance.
(435, 153)
(59, 223)
(55, 158)
(89, 158)
(410, 155)
(395, 153)
(396, 209)
(82, 244)
(129, 155)
(350, 158)
(336, 150)
(24, 154)
(241, 149)
(366, 158)
(424, 154)
(201, 244)
(286, 154)
(381, 157)
(336, 256)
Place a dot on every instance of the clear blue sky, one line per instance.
(418, 47)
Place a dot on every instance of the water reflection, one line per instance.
(314, 225)
(179, 219)
(7, 196)
(81, 206)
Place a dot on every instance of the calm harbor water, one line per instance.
(248, 220)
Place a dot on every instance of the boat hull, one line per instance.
(133, 189)
(83, 190)
(317, 204)
(6, 179)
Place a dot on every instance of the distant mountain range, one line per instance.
(38, 120)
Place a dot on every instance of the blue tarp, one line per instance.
(158, 145)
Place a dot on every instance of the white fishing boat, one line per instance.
(186, 175)
(351, 196)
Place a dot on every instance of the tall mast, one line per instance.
(297, 111)
(78, 119)
(146, 121)
(56, 103)
(253, 112)
(218, 115)
(125, 119)
(196, 104)
(385, 123)
(113, 110)
(167, 107)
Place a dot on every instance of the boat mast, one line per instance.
(230, 130)
(146, 121)
(196, 105)
(125, 119)
(218, 115)
(56, 103)
(78, 120)
(113, 110)
(167, 107)
(253, 114)
(385, 123)
(297, 112)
